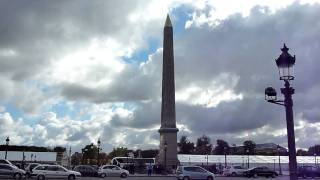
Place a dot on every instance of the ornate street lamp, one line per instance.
(285, 63)
(7, 147)
(278, 148)
(165, 156)
(99, 144)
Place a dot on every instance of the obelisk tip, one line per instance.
(168, 22)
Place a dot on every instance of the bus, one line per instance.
(124, 161)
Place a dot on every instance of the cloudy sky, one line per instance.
(75, 71)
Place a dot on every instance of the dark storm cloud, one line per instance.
(232, 117)
(34, 34)
(247, 47)
(32, 21)
(39, 31)
(130, 85)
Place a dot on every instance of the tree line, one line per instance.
(31, 148)
(203, 146)
(89, 154)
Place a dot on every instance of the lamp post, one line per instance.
(225, 156)
(84, 151)
(98, 158)
(242, 161)
(69, 158)
(280, 171)
(207, 159)
(285, 63)
(7, 147)
(248, 158)
(89, 161)
(315, 155)
(165, 156)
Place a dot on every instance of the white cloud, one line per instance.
(80, 59)
(212, 12)
(210, 94)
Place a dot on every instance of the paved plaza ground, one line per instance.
(169, 178)
(174, 178)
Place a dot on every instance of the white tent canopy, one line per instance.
(29, 156)
(241, 159)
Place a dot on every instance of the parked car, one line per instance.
(86, 170)
(5, 161)
(112, 170)
(260, 171)
(193, 172)
(308, 171)
(29, 168)
(8, 170)
(44, 171)
(233, 170)
(95, 167)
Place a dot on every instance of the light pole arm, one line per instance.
(279, 102)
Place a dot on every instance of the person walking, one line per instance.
(149, 169)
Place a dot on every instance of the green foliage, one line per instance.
(222, 147)
(185, 146)
(150, 153)
(314, 150)
(90, 151)
(31, 148)
(203, 145)
(90, 154)
(118, 152)
(76, 159)
(249, 145)
(59, 149)
(302, 152)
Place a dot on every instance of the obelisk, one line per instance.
(168, 130)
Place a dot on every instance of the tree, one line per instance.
(59, 149)
(103, 158)
(185, 146)
(76, 158)
(314, 150)
(249, 145)
(203, 145)
(222, 147)
(118, 152)
(302, 152)
(90, 154)
(149, 153)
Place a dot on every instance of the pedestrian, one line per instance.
(149, 169)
